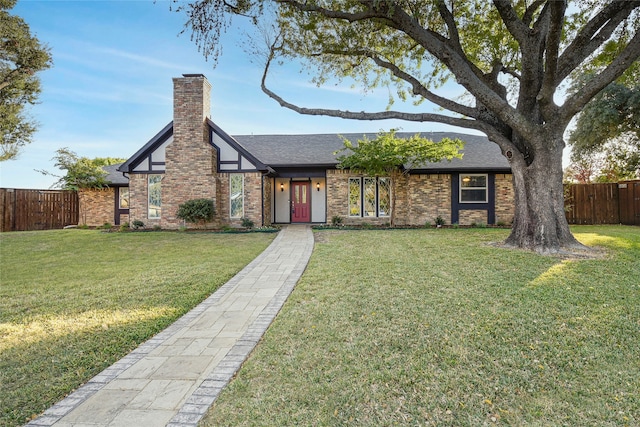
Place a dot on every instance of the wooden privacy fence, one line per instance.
(23, 210)
(617, 203)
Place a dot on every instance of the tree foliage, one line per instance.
(81, 172)
(388, 153)
(511, 59)
(21, 57)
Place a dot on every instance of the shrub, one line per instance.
(137, 224)
(439, 220)
(247, 223)
(336, 220)
(196, 210)
(427, 224)
(124, 226)
(106, 226)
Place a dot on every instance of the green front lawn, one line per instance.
(437, 327)
(72, 302)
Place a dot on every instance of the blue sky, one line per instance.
(109, 90)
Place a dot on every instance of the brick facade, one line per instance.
(504, 198)
(97, 206)
(472, 216)
(417, 199)
(252, 199)
(190, 160)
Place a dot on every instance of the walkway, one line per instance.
(173, 378)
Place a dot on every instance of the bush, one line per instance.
(137, 224)
(336, 220)
(196, 210)
(439, 220)
(247, 223)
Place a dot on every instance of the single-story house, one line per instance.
(282, 179)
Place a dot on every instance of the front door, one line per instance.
(300, 203)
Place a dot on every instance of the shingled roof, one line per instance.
(318, 150)
(114, 176)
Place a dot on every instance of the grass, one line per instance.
(72, 302)
(436, 327)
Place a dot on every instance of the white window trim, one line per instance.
(485, 188)
(241, 195)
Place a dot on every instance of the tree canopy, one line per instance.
(81, 172)
(512, 61)
(22, 56)
(388, 153)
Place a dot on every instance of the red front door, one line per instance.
(300, 203)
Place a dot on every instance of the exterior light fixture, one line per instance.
(317, 186)
(281, 187)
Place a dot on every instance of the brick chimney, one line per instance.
(190, 158)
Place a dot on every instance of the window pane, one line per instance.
(384, 196)
(155, 196)
(236, 195)
(354, 196)
(473, 195)
(369, 197)
(123, 197)
(474, 181)
(473, 188)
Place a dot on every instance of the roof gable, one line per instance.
(244, 153)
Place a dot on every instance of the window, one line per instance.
(123, 198)
(354, 197)
(369, 197)
(236, 195)
(155, 195)
(473, 188)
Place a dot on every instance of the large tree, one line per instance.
(511, 59)
(21, 57)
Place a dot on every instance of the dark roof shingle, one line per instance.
(318, 150)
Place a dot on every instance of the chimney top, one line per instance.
(193, 75)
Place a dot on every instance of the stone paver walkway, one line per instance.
(173, 378)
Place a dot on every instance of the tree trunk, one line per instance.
(539, 222)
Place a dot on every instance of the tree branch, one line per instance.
(383, 115)
(554, 36)
(420, 89)
(528, 14)
(576, 102)
(329, 13)
(514, 25)
(593, 35)
(448, 19)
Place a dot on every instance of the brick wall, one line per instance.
(417, 198)
(504, 198)
(96, 206)
(472, 216)
(252, 199)
(138, 200)
(190, 160)
(427, 197)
